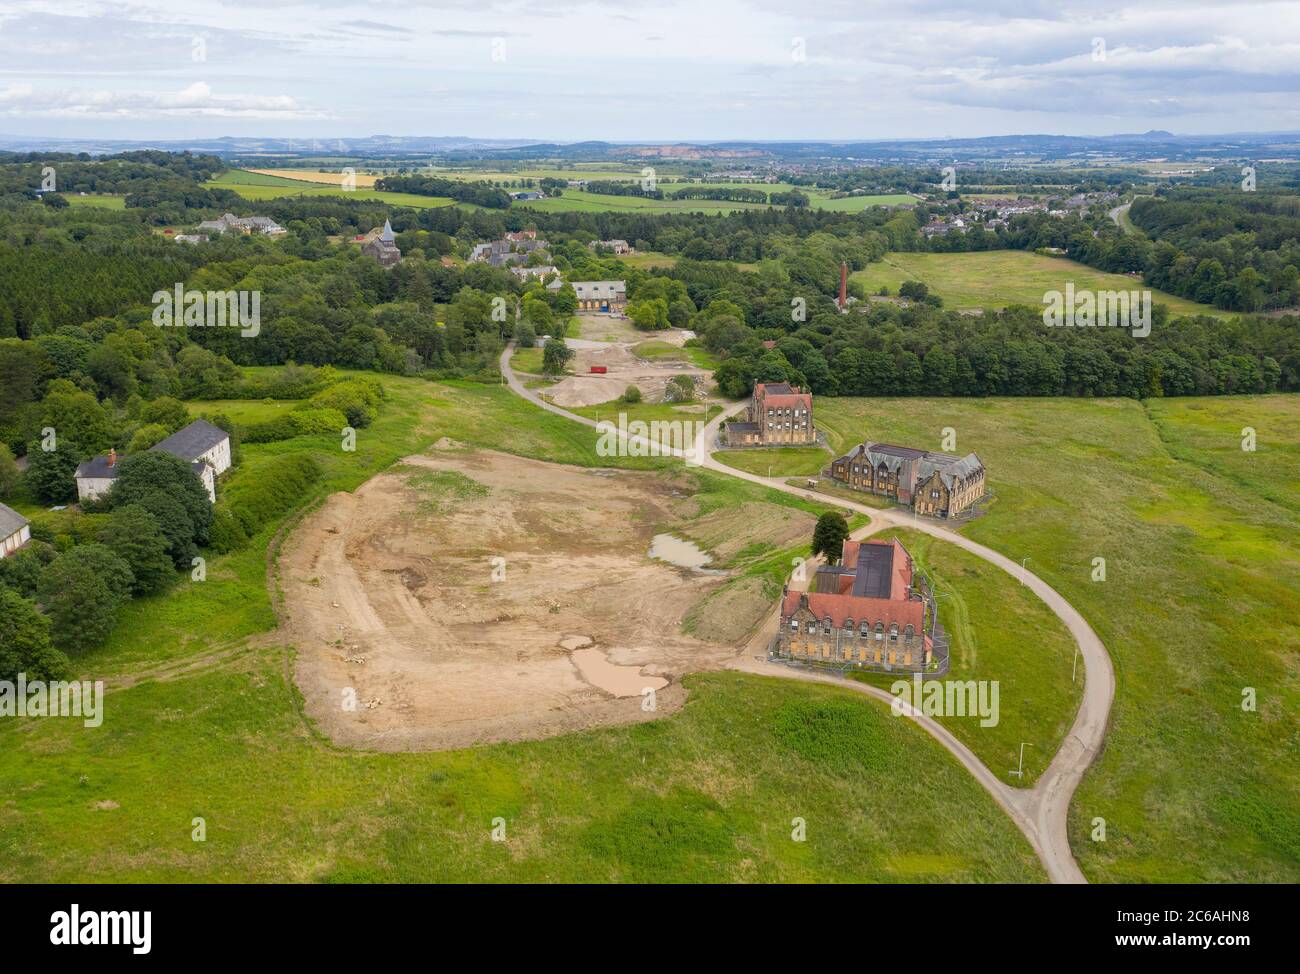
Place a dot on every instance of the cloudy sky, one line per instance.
(645, 70)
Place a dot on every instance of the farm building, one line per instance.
(868, 611)
(15, 531)
(244, 224)
(936, 484)
(778, 414)
(205, 447)
(606, 296)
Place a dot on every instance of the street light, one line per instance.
(1020, 772)
(1022, 569)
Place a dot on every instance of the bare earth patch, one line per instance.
(390, 601)
(623, 369)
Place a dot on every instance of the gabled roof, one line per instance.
(96, 468)
(11, 522)
(193, 441)
(387, 232)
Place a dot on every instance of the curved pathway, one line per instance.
(1042, 811)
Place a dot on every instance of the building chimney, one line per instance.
(112, 456)
(844, 285)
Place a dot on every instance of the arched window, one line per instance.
(864, 630)
(893, 631)
(909, 631)
(826, 625)
(848, 626)
(811, 627)
(880, 627)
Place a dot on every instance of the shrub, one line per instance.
(631, 395)
(279, 486)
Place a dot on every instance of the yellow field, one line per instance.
(310, 176)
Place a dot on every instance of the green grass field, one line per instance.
(102, 202)
(1000, 631)
(996, 278)
(784, 461)
(259, 186)
(202, 720)
(1201, 595)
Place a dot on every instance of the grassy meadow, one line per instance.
(202, 720)
(997, 278)
(264, 186)
(1200, 598)
(777, 461)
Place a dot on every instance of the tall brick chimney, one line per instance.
(844, 285)
(112, 455)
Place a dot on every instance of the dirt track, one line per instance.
(390, 591)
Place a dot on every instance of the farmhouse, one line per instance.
(383, 247)
(778, 414)
(868, 611)
(244, 224)
(15, 530)
(936, 484)
(205, 447)
(607, 296)
(614, 246)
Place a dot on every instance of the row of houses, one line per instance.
(998, 213)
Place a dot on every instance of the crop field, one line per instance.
(583, 202)
(201, 696)
(1201, 548)
(262, 186)
(997, 278)
(362, 180)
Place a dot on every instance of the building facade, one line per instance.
(933, 484)
(15, 531)
(779, 414)
(204, 446)
(869, 612)
(604, 296)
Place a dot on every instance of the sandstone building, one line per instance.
(869, 611)
(779, 415)
(934, 484)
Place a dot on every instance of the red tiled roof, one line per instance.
(841, 607)
(803, 399)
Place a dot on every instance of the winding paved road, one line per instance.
(1042, 811)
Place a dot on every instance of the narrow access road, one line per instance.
(1041, 812)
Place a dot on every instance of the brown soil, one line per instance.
(624, 369)
(389, 592)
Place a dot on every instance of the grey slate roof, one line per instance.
(11, 522)
(96, 468)
(192, 441)
(874, 574)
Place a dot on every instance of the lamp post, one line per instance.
(1020, 772)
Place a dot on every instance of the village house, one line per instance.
(513, 248)
(604, 296)
(933, 484)
(869, 611)
(618, 247)
(205, 447)
(383, 247)
(779, 414)
(15, 530)
(540, 271)
(244, 224)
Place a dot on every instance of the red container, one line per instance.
(599, 369)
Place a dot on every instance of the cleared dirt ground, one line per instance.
(389, 591)
(624, 369)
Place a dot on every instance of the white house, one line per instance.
(203, 445)
(15, 530)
